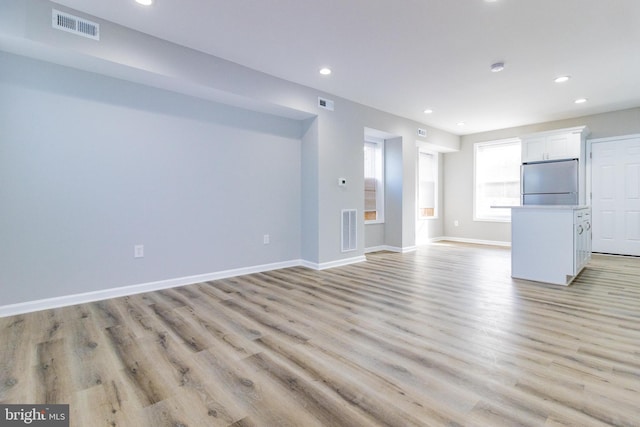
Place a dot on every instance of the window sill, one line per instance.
(377, 221)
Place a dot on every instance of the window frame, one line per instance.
(379, 142)
(497, 218)
(436, 163)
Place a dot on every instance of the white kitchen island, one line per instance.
(550, 244)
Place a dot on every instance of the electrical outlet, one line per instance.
(138, 251)
(266, 239)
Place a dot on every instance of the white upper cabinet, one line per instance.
(554, 145)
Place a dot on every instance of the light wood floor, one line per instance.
(442, 336)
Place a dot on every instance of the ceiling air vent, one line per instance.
(75, 24)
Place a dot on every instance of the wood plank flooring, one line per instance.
(439, 337)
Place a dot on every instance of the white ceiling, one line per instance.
(403, 56)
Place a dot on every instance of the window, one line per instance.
(497, 179)
(373, 180)
(427, 185)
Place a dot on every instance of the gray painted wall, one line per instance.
(129, 117)
(91, 166)
(393, 193)
(458, 169)
(310, 203)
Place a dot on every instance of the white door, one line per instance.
(616, 196)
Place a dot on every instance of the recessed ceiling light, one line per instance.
(460, 123)
(145, 2)
(561, 79)
(325, 71)
(428, 111)
(580, 100)
(497, 67)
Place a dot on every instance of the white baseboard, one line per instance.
(81, 298)
(86, 297)
(378, 249)
(332, 264)
(63, 301)
(390, 249)
(473, 241)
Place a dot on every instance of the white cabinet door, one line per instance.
(563, 146)
(616, 196)
(586, 222)
(590, 238)
(582, 239)
(533, 149)
(560, 146)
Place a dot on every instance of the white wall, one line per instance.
(458, 168)
(91, 166)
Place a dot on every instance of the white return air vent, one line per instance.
(74, 24)
(349, 235)
(327, 104)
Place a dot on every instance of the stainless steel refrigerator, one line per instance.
(550, 183)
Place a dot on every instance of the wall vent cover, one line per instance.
(349, 235)
(74, 24)
(327, 104)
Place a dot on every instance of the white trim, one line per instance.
(614, 138)
(62, 301)
(430, 146)
(380, 177)
(378, 249)
(575, 129)
(473, 241)
(332, 264)
(374, 221)
(427, 218)
(390, 249)
(436, 196)
(379, 134)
